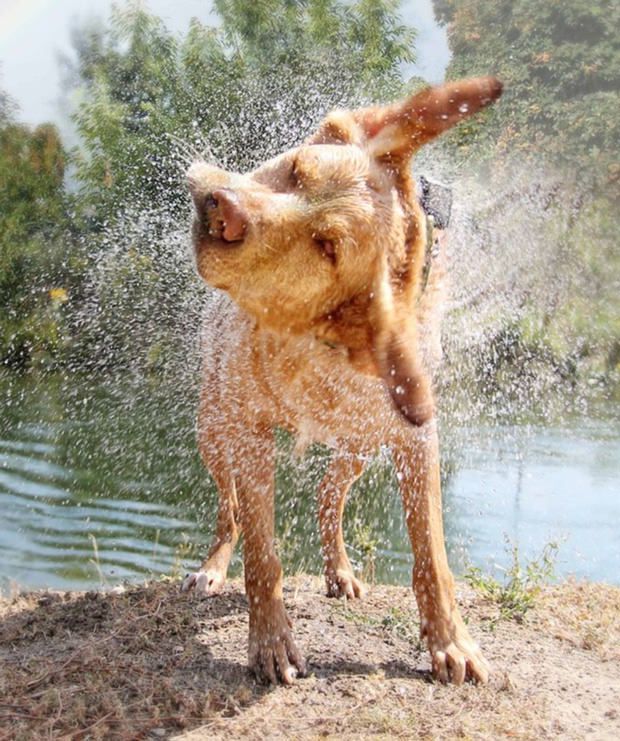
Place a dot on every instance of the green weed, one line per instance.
(365, 546)
(402, 623)
(522, 582)
(185, 551)
(95, 561)
(398, 623)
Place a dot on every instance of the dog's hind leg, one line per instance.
(211, 576)
(341, 474)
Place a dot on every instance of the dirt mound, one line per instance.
(148, 662)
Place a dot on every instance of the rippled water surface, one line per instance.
(100, 481)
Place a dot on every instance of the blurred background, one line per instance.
(101, 111)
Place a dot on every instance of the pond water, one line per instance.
(100, 481)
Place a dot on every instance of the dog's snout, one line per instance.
(226, 217)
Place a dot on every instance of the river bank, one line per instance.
(146, 662)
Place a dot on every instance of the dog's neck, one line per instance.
(347, 326)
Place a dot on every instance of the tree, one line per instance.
(239, 92)
(33, 254)
(560, 62)
(551, 147)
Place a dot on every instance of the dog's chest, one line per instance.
(314, 391)
(300, 383)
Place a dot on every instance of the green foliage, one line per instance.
(522, 583)
(397, 623)
(238, 92)
(560, 62)
(7, 108)
(365, 546)
(556, 123)
(185, 552)
(35, 259)
(402, 623)
(364, 37)
(552, 314)
(583, 325)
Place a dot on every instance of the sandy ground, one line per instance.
(150, 663)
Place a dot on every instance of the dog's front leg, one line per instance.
(341, 474)
(455, 655)
(272, 651)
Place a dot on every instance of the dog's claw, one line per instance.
(344, 584)
(459, 660)
(204, 583)
(273, 655)
(278, 659)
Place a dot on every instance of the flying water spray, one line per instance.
(111, 454)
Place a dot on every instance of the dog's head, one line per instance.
(328, 238)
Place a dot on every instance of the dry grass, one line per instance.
(586, 615)
(150, 663)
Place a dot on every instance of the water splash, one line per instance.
(509, 264)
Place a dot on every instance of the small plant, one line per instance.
(365, 545)
(522, 583)
(402, 623)
(398, 623)
(95, 560)
(184, 551)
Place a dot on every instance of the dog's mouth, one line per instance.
(225, 218)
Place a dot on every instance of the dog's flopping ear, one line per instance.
(395, 132)
(394, 350)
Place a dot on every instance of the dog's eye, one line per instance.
(326, 247)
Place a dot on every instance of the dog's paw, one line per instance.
(273, 655)
(343, 583)
(456, 663)
(458, 659)
(204, 583)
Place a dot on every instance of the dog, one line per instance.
(320, 253)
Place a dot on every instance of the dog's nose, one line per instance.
(226, 215)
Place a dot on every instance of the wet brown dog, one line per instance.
(321, 251)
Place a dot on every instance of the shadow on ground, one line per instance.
(149, 662)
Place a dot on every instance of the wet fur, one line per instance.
(321, 334)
